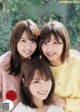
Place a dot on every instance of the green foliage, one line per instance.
(74, 25)
(5, 30)
(40, 11)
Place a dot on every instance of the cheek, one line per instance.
(34, 46)
(19, 48)
(44, 49)
(19, 45)
(49, 85)
(61, 50)
(32, 89)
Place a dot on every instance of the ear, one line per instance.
(24, 82)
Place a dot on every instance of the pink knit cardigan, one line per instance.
(7, 81)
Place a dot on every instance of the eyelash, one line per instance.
(23, 41)
(52, 43)
(33, 41)
(36, 82)
(44, 80)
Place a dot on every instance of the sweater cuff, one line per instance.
(73, 104)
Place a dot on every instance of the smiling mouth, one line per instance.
(43, 93)
(27, 52)
(51, 54)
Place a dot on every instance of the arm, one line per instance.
(4, 62)
(5, 59)
(59, 101)
(70, 104)
(73, 104)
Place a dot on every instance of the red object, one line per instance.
(11, 95)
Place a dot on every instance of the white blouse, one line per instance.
(22, 108)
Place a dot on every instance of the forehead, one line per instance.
(38, 74)
(27, 34)
(50, 38)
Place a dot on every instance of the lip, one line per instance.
(42, 92)
(51, 54)
(27, 52)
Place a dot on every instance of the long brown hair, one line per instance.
(28, 74)
(33, 31)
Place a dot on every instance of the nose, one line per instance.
(42, 85)
(49, 48)
(28, 45)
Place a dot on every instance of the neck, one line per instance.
(55, 64)
(43, 109)
(38, 103)
(23, 61)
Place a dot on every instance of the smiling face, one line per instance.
(38, 83)
(40, 86)
(26, 47)
(53, 50)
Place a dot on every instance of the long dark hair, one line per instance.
(27, 76)
(33, 31)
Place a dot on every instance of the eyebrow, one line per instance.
(36, 79)
(39, 78)
(23, 37)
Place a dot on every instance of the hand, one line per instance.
(57, 100)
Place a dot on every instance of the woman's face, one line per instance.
(53, 50)
(25, 46)
(40, 86)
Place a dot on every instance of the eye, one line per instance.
(33, 41)
(55, 42)
(36, 81)
(45, 43)
(47, 79)
(23, 40)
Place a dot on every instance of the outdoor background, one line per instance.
(40, 11)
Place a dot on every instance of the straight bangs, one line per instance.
(46, 35)
(33, 65)
(33, 27)
(36, 64)
(31, 36)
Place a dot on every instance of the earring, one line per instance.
(40, 56)
(29, 58)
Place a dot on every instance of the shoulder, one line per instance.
(55, 108)
(22, 108)
(74, 52)
(75, 59)
(5, 58)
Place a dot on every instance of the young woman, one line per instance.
(54, 47)
(23, 46)
(37, 88)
